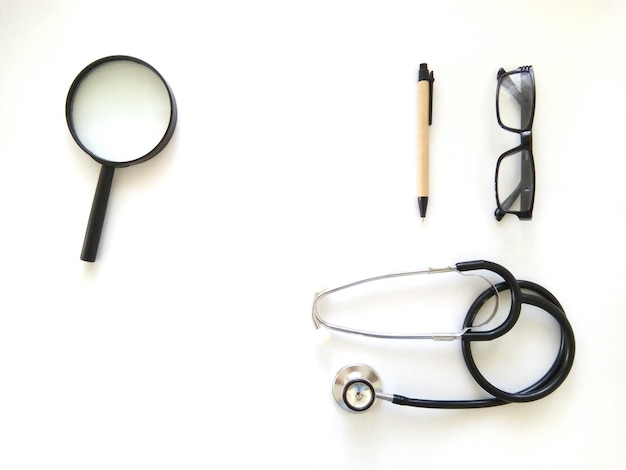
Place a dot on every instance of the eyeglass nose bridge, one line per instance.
(526, 138)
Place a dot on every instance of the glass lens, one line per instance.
(121, 111)
(516, 100)
(515, 182)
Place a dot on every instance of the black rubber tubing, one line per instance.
(532, 294)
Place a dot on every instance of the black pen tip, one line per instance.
(422, 203)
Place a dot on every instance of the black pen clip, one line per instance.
(424, 74)
(431, 80)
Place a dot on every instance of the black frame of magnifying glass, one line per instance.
(169, 132)
(526, 188)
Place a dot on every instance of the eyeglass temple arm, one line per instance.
(526, 103)
(508, 202)
(513, 90)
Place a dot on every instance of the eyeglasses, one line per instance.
(515, 170)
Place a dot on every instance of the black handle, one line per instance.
(98, 211)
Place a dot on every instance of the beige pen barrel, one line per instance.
(423, 115)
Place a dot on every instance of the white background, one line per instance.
(189, 344)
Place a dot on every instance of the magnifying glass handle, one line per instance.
(98, 211)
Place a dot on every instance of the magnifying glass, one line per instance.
(121, 112)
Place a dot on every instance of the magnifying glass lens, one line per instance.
(121, 110)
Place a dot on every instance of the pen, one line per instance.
(425, 81)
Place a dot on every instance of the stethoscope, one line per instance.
(356, 387)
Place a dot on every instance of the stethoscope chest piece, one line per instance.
(355, 387)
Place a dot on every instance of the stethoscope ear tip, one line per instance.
(355, 387)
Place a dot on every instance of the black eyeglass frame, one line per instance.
(526, 187)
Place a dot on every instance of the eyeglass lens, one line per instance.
(515, 100)
(515, 182)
